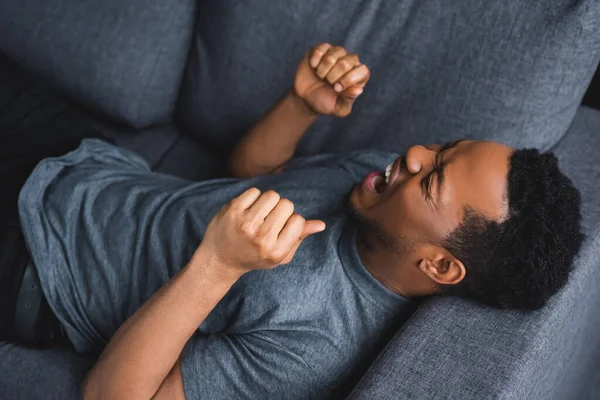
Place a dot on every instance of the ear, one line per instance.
(441, 266)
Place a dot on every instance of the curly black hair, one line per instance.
(524, 260)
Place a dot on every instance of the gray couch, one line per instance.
(181, 81)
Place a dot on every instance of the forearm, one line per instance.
(145, 348)
(272, 142)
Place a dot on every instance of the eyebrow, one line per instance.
(441, 165)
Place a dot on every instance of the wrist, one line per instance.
(208, 266)
(300, 105)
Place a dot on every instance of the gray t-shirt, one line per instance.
(105, 233)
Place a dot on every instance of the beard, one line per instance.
(371, 233)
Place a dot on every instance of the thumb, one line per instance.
(311, 227)
(346, 100)
(351, 93)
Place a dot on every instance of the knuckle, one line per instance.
(297, 219)
(262, 248)
(271, 194)
(278, 254)
(265, 248)
(248, 228)
(345, 63)
(232, 208)
(329, 59)
(287, 204)
(352, 80)
(248, 192)
(262, 240)
(230, 213)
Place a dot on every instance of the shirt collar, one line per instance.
(360, 276)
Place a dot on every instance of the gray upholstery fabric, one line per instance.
(458, 350)
(192, 160)
(152, 144)
(512, 71)
(592, 392)
(167, 150)
(122, 58)
(579, 157)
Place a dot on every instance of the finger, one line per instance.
(317, 54)
(290, 255)
(246, 199)
(263, 206)
(351, 93)
(277, 218)
(292, 231)
(342, 67)
(329, 60)
(310, 227)
(358, 76)
(344, 104)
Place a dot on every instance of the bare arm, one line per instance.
(327, 82)
(147, 346)
(142, 359)
(273, 139)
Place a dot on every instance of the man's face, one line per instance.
(429, 188)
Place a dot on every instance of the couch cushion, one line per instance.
(169, 151)
(579, 159)
(511, 70)
(192, 160)
(453, 348)
(123, 58)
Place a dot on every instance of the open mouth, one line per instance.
(377, 182)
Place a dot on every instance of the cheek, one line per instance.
(400, 211)
(407, 214)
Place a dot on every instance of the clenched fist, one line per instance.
(256, 231)
(329, 79)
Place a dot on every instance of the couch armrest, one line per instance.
(456, 349)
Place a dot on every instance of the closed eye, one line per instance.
(426, 182)
(426, 185)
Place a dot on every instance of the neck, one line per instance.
(378, 262)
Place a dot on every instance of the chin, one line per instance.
(369, 232)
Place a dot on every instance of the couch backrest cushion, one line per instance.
(513, 70)
(122, 58)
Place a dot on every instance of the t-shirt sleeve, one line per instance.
(248, 366)
(357, 163)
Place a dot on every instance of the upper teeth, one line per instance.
(388, 172)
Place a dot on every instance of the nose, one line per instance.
(417, 158)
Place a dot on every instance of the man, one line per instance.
(293, 285)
